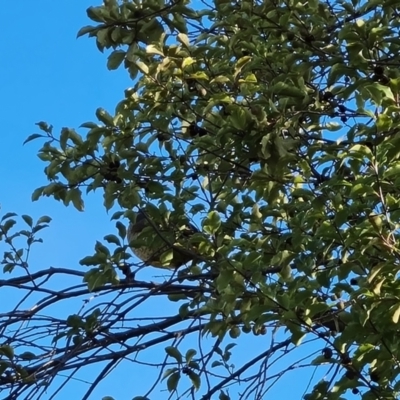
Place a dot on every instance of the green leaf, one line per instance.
(283, 300)
(183, 39)
(112, 239)
(75, 321)
(28, 220)
(96, 14)
(238, 118)
(223, 396)
(121, 229)
(384, 122)
(43, 220)
(37, 193)
(187, 61)
(194, 365)
(27, 356)
(173, 380)
(336, 72)
(297, 337)
(142, 67)
(90, 125)
(104, 117)
(89, 260)
(151, 49)
(64, 138)
(216, 364)
(7, 226)
(179, 23)
(284, 89)
(74, 195)
(32, 137)
(115, 59)
(333, 126)
(7, 350)
(396, 314)
(95, 278)
(212, 223)
(45, 127)
(84, 30)
(9, 267)
(199, 75)
(4, 365)
(184, 310)
(195, 378)
(168, 372)
(189, 355)
(174, 353)
(166, 257)
(378, 92)
(8, 215)
(100, 248)
(117, 215)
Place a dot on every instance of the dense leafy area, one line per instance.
(273, 126)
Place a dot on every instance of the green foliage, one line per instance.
(274, 127)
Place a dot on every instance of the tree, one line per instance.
(273, 127)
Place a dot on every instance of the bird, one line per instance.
(160, 246)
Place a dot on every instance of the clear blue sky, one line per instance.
(49, 75)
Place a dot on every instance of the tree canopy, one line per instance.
(272, 126)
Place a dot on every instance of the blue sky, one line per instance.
(49, 75)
